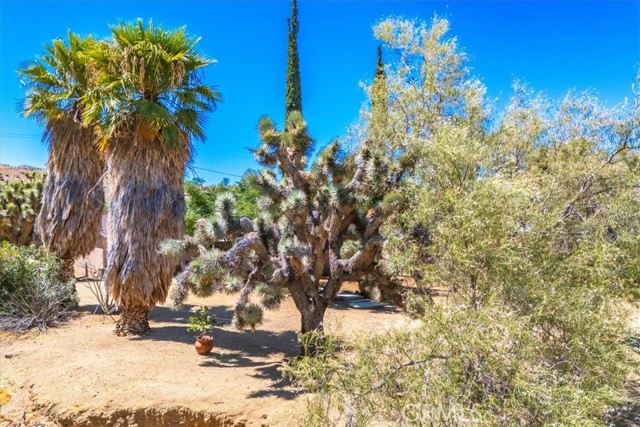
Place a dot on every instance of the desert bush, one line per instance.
(32, 294)
(95, 283)
(465, 367)
(529, 219)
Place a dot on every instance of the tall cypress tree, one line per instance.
(293, 94)
(379, 99)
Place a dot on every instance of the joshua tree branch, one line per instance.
(241, 249)
(362, 259)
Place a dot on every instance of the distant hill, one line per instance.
(13, 173)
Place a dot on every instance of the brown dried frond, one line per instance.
(146, 207)
(73, 196)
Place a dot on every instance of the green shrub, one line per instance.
(201, 199)
(202, 322)
(31, 291)
(466, 367)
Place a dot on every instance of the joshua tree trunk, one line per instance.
(73, 196)
(311, 308)
(146, 206)
(313, 320)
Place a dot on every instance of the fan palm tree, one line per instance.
(150, 109)
(73, 196)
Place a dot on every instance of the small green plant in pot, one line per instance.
(203, 323)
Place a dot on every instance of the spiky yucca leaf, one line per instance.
(265, 156)
(250, 315)
(297, 136)
(179, 295)
(331, 163)
(173, 247)
(294, 201)
(268, 132)
(285, 244)
(205, 289)
(267, 183)
(19, 205)
(232, 284)
(264, 203)
(271, 295)
(264, 227)
(208, 231)
(226, 207)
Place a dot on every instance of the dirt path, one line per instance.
(82, 375)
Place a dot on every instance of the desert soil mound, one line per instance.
(14, 173)
(80, 374)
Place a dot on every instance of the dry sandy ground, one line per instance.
(80, 374)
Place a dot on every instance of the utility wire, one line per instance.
(215, 171)
(25, 136)
(20, 136)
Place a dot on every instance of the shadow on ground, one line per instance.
(171, 325)
(629, 416)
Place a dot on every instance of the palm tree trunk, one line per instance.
(146, 206)
(134, 320)
(68, 269)
(73, 195)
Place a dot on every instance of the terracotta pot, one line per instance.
(204, 344)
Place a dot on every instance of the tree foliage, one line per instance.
(151, 75)
(56, 87)
(527, 220)
(379, 100)
(201, 199)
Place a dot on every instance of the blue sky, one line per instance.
(554, 46)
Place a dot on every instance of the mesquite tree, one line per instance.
(314, 223)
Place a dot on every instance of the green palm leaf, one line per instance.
(150, 79)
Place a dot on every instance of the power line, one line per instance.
(215, 171)
(25, 136)
(19, 136)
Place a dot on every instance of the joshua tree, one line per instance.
(19, 205)
(148, 115)
(73, 199)
(310, 218)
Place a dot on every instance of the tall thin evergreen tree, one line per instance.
(293, 91)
